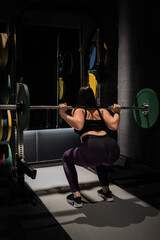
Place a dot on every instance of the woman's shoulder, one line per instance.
(78, 110)
(103, 111)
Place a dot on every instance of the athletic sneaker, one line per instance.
(107, 196)
(75, 202)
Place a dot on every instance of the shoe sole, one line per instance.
(74, 204)
(107, 199)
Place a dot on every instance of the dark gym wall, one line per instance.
(38, 19)
(138, 67)
(85, 20)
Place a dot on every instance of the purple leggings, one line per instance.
(96, 152)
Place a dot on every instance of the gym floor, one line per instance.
(43, 211)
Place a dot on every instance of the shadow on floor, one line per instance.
(139, 180)
(121, 213)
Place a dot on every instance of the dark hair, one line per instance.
(85, 97)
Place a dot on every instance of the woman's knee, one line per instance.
(64, 157)
(67, 156)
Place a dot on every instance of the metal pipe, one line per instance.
(8, 107)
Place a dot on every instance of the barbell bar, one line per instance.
(145, 109)
(17, 107)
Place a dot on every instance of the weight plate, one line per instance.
(23, 98)
(93, 83)
(2, 157)
(6, 160)
(2, 165)
(9, 125)
(5, 129)
(1, 125)
(61, 88)
(3, 50)
(7, 166)
(92, 56)
(7, 89)
(10, 154)
(10, 159)
(148, 97)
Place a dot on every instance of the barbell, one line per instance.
(145, 109)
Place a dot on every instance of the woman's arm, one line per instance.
(76, 121)
(112, 122)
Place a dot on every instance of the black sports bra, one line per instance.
(92, 125)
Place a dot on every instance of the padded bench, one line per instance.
(48, 145)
